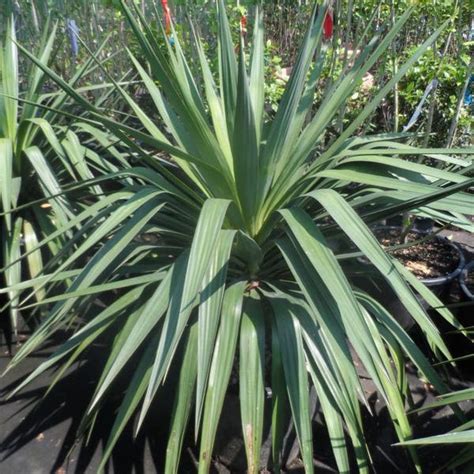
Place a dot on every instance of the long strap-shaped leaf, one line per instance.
(308, 237)
(9, 85)
(251, 379)
(333, 424)
(245, 149)
(329, 384)
(416, 171)
(333, 387)
(280, 403)
(186, 99)
(379, 96)
(448, 438)
(285, 129)
(185, 291)
(287, 167)
(451, 397)
(386, 147)
(396, 386)
(210, 309)
(200, 142)
(91, 211)
(94, 328)
(294, 365)
(399, 202)
(125, 133)
(360, 331)
(134, 394)
(49, 183)
(257, 72)
(91, 290)
(173, 121)
(410, 348)
(430, 297)
(37, 78)
(183, 402)
(227, 66)
(136, 330)
(342, 90)
(325, 313)
(358, 173)
(361, 236)
(145, 205)
(12, 252)
(117, 127)
(221, 368)
(214, 102)
(6, 176)
(34, 258)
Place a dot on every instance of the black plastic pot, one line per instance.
(377, 286)
(438, 285)
(463, 280)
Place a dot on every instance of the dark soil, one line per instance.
(469, 281)
(432, 258)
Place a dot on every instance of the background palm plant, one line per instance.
(246, 215)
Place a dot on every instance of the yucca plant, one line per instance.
(40, 153)
(246, 213)
(24, 172)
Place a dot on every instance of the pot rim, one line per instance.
(462, 279)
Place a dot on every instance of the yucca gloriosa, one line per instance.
(244, 214)
(27, 141)
(40, 153)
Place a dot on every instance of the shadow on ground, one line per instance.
(38, 432)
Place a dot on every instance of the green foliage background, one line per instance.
(448, 61)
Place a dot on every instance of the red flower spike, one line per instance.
(166, 11)
(328, 25)
(243, 23)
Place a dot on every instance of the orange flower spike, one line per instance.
(166, 11)
(243, 23)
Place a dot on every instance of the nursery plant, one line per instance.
(24, 172)
(40, 153)
(228, 244)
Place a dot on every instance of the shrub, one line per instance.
(254, 218)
